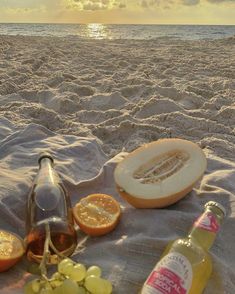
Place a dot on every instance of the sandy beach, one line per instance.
(120, 94)
(123, 93)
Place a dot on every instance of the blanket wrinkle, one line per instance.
(127, 254)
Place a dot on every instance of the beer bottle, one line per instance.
(49, 206)
(186, 265)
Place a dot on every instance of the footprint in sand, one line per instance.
(157, 106)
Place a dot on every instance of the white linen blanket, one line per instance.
(128, 254)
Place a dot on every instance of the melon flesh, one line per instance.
(160, 173)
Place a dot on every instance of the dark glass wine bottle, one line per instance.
(49, 208)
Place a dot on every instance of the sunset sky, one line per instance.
(119, 11)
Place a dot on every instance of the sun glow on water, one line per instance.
(96, 31)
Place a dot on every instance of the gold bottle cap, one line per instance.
(45, 155)
(218, 205)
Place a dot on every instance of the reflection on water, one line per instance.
(96, 31)
(108, 31)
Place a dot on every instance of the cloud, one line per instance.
(64, 7)
(151, 3)
(93, 5)
(23, 10)
(195, 2)
(158, 2)
(31, 4)
(220, 1)
(167, 3)
(122, 5)
(190, 2)
(171, 3)
(144, 4)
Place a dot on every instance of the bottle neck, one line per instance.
(45, 163)
(46, 172)
(205, 228)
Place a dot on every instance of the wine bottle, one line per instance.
(49, 208)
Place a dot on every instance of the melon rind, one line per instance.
(167, 191)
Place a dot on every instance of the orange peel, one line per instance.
(11, 249)
(97, 214)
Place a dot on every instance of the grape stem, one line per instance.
(54, 248)
(46, 253)
(48, 244)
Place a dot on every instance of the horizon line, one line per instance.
(76, 23)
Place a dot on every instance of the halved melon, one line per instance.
(160, 173)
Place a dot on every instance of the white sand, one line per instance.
(122, 94)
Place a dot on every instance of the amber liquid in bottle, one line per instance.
(49, 206)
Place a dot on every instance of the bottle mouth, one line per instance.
(45, 155)
(216, 204)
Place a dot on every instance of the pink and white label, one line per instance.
(172, 275)
(207, 222)
(166, 281)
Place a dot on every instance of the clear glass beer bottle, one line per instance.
(49, 206)
(186, 265)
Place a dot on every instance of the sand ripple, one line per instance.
(123, 93)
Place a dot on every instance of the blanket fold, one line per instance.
(128, 254)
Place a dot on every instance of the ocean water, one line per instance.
(103, 31)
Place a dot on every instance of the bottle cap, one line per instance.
(218, 205)
(45, 155)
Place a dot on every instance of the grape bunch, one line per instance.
(71, 278)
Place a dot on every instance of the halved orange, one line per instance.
(97, 214)
(11, 249)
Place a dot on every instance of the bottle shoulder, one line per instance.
(48, 196)
(190, 248)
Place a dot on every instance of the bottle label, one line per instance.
(207, 222)
(172, 275)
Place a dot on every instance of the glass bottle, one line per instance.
(186, 265)
(49, 206)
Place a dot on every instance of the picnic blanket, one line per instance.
(128, 254)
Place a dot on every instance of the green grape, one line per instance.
(56, 280)
(66, 268)
(67, 287)
(47, 285)
(65, 265)
(28, 288)
(46, 291)
(33, 268)
(108, 286)
(36, 285)
(57, 276)
(78, 273)
(56, 283)
(97, 285)
(81, 290)
(94, 271)
(57, 291)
